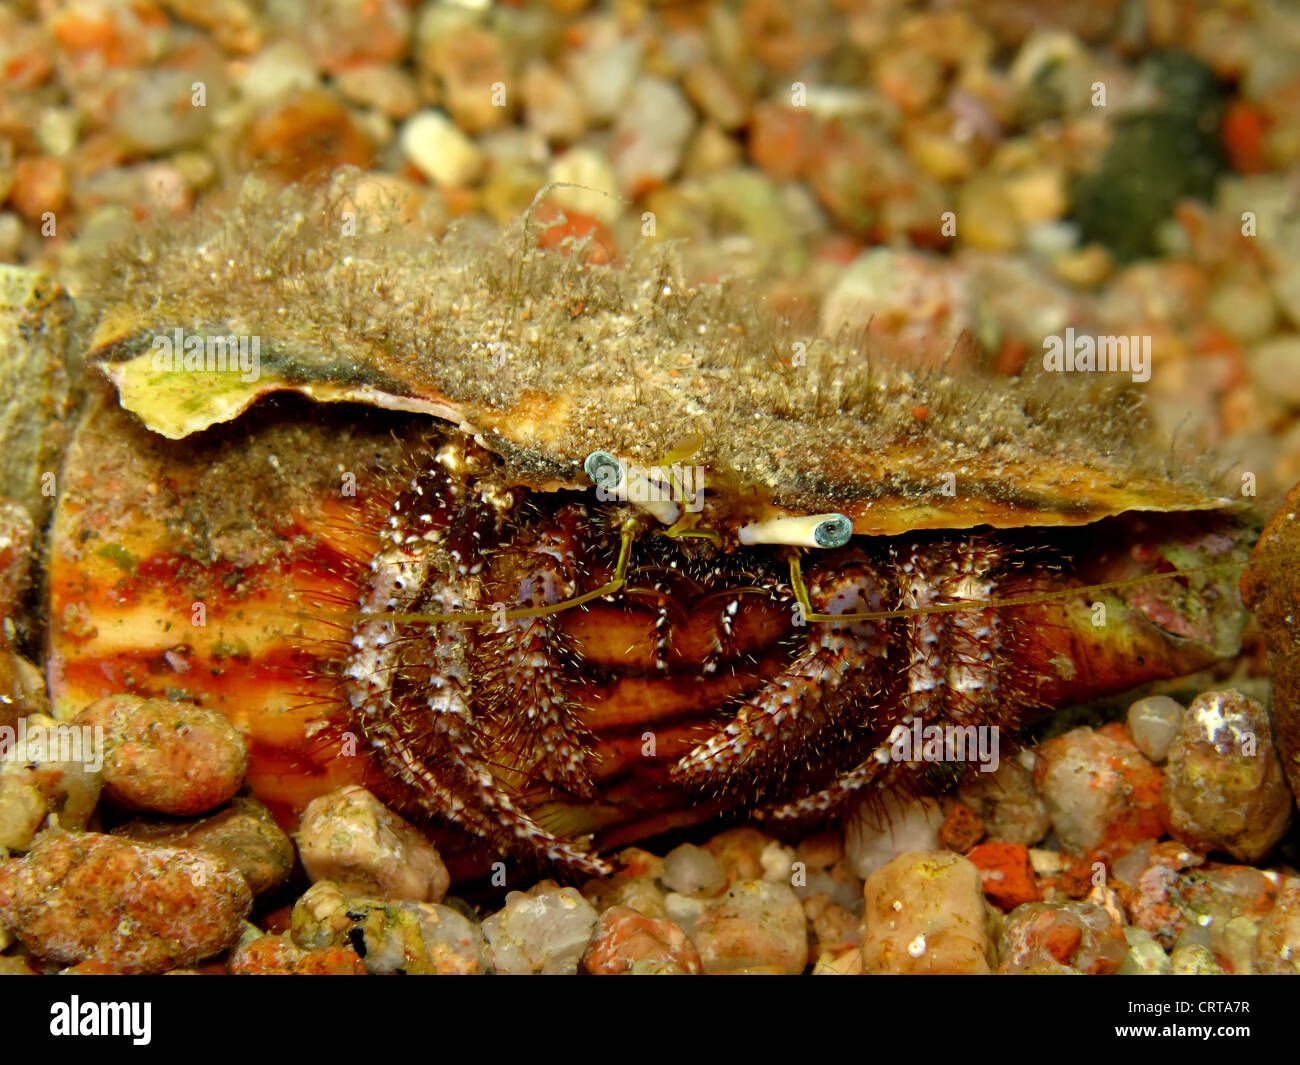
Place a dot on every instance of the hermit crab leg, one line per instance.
(802, 699)
(531, 685)
(952, 668)
(435, 537)
(953, 659)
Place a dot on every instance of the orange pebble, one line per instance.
(1006, 872)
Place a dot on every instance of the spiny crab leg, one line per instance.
(531, 684)
(803, 699)
(437, 754)
(954, 660)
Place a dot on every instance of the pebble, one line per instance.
(236, 25)
(40, 187)
(157, 113)
(140, 909)
(826, 871)
(388, 89)
(1275, 367)
(1194, 959)
(909, 300)
(1145, 956)
(987, 216)
(1103, 796)
(1244, 308)
(629, 942)
(883, 830)
(1224, 789)
(1008, 803)
(243, 834)
(780, 140)
(757, 923)
(22, 807)
(834, 928)
(598, 196)
(848, 963)
(281, 69)
(1153, 723)
(22, 687)
(279, 956)
(401, 936)
(639, 893)
(691, 870)
(740, 850)
(716, 95)
(17, 535)
(348, 33)
(711, 152)
(1157, 905)
(35, 779)
(926, 913)
(544, 930)
(778, 864)
(1061, 937)
(168, 757)
(962, 828)
(603, 74)
(1205, 902)
(1286, 290)
(684, 910)
(1007, 874)
(305, 134)
(552, 106)
(651, 135)
(439, 150)
(470, 63)
(1277, 949)
(351, 838)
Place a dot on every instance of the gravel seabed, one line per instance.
(816, 152)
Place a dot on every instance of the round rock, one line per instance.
(169, 757)
(81, 896)
(1224, 789)
(351, 838)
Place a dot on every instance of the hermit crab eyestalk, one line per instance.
(604, 470)
(815, 530)
(644, 489)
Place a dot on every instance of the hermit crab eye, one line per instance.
(604, 469)
(834, 530)
(815, 530)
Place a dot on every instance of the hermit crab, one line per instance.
(559, 555)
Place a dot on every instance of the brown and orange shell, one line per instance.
(226, 568)
(204, 550)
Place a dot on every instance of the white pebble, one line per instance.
(691, 870)
(439, 150)
(1153, 723)
(544, 931)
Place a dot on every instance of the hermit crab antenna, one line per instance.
(813, 530)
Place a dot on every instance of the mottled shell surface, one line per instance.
(200, 554)
(547, 358)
